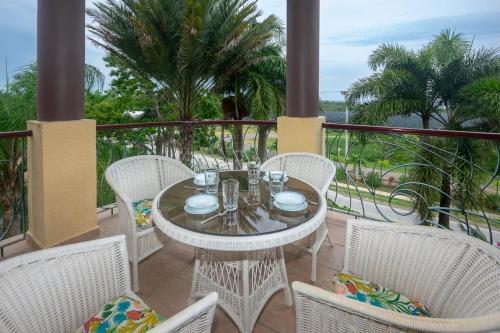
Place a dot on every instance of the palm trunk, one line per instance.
(238, 147)
(159, 142)
(186, 144)
(262, 143)
(223, 142)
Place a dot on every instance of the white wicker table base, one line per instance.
(245, 281)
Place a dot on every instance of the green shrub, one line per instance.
(373, 179)
(403, 179)
(493, 201)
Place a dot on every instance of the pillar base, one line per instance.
(61, 180)
(301, 135)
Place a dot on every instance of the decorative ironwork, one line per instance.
(212, 145)
(13, 213)
(447, 181)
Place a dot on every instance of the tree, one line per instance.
(17, 106)
(181, 45)
(440, 81)
(257, 90)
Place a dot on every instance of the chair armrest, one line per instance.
(318, 310)
(197, 317)
(57, 289)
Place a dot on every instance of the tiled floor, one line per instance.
(165, 277)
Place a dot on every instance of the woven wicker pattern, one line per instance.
(244, 271)
(138, 178)
(319, 172)
(244, 280)
(456, 276)
(56, 290)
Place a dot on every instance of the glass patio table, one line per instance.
(239, 255)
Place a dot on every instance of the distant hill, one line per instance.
(334, 111)
(332, 106)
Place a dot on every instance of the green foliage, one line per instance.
(182, 45)
(332, 106)
(373, 179)
(492, 201)
(447, 76)
(403, 179)
(18, 100)
(189, 47)
(209, 107)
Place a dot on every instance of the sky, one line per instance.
(350, 31)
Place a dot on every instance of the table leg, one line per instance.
(245, 281)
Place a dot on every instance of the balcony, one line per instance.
(383, 229)
(377, 170)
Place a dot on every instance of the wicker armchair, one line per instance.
(56, 290)
(139, 178)
(318, 171)
(456, 276)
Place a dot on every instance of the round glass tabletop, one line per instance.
(256, 214)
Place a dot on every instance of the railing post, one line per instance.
(301, 128)
(62, 151)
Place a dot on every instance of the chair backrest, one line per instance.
(455, 275)
(143, 177)
(56, 290)
(315, 169)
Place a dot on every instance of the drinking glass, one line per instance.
(230, 219)
(276, 180)
(230, 194)
(253, 172)
(211, 181)
(253, 197)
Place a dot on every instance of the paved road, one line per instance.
(369, 209)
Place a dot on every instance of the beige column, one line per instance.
(61, 180)
(296, 134)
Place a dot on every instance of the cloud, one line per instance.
(486, 25)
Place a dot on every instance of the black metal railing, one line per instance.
(449, 179)
(13, 212)
(225, 144)
(443, 178)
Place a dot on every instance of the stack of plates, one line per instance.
(201, 204)
(290, 201)
(266, 177)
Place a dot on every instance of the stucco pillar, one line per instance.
(61, 181)
(297, 134)
(62, 150)
(301, 129)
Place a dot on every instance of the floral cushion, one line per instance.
(122, 315)
(369, 292)
(142, 213)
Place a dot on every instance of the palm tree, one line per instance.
(434, 82)
(258, 91)
(181, 45)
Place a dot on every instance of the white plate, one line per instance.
(201, 211)
(291, 199)
(290, 209)
(266, 177)
(201, 204)
(199, 179)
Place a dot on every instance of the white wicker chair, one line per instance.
(455, 275)
(139, 178)
(56, 290)
(319, 172)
